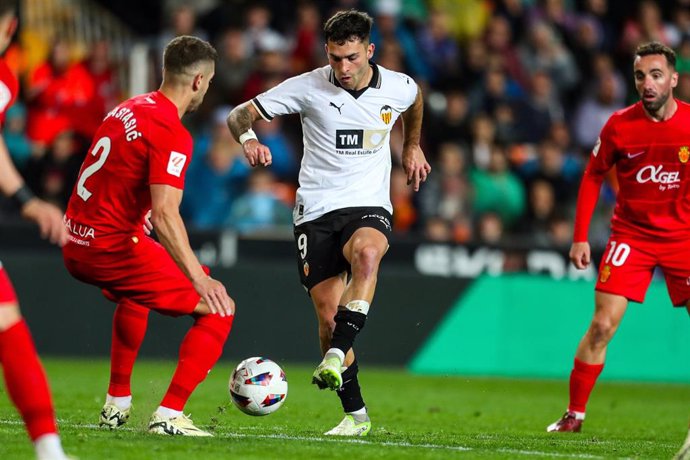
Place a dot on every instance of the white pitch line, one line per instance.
(286, 437)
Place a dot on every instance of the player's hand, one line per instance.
(214, 294)
(49, 220)
(415, 165)
(580, 255)
(148, 226)
(257, 153)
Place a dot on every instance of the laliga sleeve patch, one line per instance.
(176, 163)
(595, 150)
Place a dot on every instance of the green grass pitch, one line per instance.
(414, 417)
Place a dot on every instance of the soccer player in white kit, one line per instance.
(343, 211)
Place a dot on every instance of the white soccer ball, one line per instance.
(258, 386)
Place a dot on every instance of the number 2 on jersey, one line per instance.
(102, 147)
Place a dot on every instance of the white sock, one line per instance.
(122, 402)
(362, 411)
(578, 415)
(335, 352)
(166, 412)
(49, 447)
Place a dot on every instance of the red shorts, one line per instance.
(143, 273)
(628, 264)
(7, 294)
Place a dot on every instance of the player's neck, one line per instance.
(177, 96)
(665, 112)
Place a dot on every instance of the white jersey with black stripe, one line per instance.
(346, 137)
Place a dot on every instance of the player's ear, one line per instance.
(370, 51)
(674, 79)
(196, 82)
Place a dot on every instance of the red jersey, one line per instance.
(9, 87)
(653, 171)
(140, 142)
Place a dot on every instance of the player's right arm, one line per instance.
(600, 161)
(165, 216)
(240, 122)
(47, 216)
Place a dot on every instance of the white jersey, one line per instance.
(347, 155)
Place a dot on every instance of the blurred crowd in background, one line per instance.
(516, 93)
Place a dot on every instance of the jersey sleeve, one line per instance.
(285, 98)
(600, 162)
(170, 152)
(408, 89)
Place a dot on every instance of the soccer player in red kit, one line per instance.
(24, 376)
(649, 143)
(137, 163)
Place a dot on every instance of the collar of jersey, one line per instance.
(375, 81)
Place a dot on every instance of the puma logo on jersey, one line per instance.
(337, 107)
(176, 163)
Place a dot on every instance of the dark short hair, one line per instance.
(8, 6)
(348, 25)
(184, 52)
(651, 48)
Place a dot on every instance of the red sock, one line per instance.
(582, 380)
(129, 328)
(26, 380)
(200, 349)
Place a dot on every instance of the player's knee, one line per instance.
(9, 315)
(366, 260)
(602, 329)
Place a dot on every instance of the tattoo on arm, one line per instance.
(240, 121)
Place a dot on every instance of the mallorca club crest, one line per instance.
(684, 154)
(386, 114)
(305, 267)
(605, 273)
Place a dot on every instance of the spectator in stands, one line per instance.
(450, 125)
(438, 48)
(539, 110)
(233, 68)
(100, 68)
(388, 28)
(646, 26)
(285, 160)
(259, 208)
(498, 190)
(53, 175)
(14, 134)
(490, 229)
(258, 33)
(58, 95)
(594, 110)
(215, 178)
(543, 51)
(404, 210)
(307, 52)
(499, 40)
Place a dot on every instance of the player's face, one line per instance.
(350, 62)
(654, 81)
(202, 83)
(8, 25)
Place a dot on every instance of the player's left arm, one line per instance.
(165, 215)
(240, 121)
(413, 160)
(47, 216)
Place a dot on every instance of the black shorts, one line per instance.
(320, 242)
